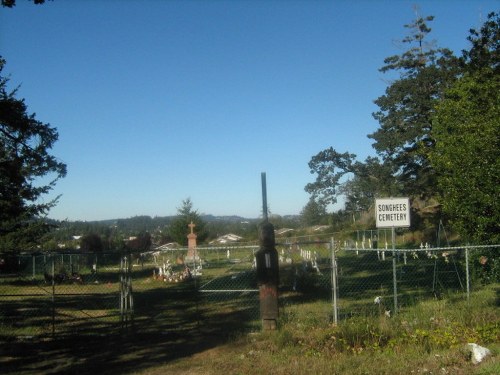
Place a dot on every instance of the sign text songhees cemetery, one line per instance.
(392, 212)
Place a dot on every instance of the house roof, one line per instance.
(168, 246)
(230, 237)
(320, 227)
(279, 232)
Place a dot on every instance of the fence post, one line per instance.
(126, 297)
(129, 289)
(122, 305)
(53, 297)
(334, 280)
(467, 277)
(394, 273)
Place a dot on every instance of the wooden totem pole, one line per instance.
(267, 269)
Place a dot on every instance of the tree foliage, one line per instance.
(24, 160)
(91, 242)
(330, 167)
(313, 213)
(404, 139)
(467, 134)
(485, 47)
(141, 242)
(12, 3)
(342, 175)
(178, 228)
(371, 179)
(438, 136)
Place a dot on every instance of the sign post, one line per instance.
(393, 213)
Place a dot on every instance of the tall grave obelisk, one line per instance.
(192, 255)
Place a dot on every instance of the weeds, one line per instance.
(431, 326)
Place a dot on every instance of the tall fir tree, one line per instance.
(404, 139)
(178, 229)
(25, 143)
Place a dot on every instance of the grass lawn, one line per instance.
(177, 329)
(186, 338)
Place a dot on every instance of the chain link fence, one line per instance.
(373, 281)
(58, 294)
(176, 291)
(329, 281)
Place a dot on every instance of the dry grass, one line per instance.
(255, 356)
(427, 339)
(174, 334)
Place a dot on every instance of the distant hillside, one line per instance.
(141, 223)
(216, 225)
(231, 218)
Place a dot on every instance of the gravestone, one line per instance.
(192, 255)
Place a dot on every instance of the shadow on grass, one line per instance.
(169, 323)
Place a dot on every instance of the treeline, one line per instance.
(438, 140)
(146, 232)
(117, 233)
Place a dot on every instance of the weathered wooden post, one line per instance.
(267, 269)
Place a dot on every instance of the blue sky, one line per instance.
(157, 101)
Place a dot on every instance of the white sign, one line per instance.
(392, 212)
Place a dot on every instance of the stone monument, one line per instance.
(192, 255)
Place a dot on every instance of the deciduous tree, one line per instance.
(371, 179)
(466, 128)
(330, 167)
(359, 183)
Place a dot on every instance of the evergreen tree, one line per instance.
(313, 213)
(12, 3)
(178, 228)
(404, 139)
(24, 159)
(91, 242)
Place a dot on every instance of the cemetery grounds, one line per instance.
(127, 318)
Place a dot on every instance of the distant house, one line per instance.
(281, 232)
(225, 239)
(168, 246)
(320, 228)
